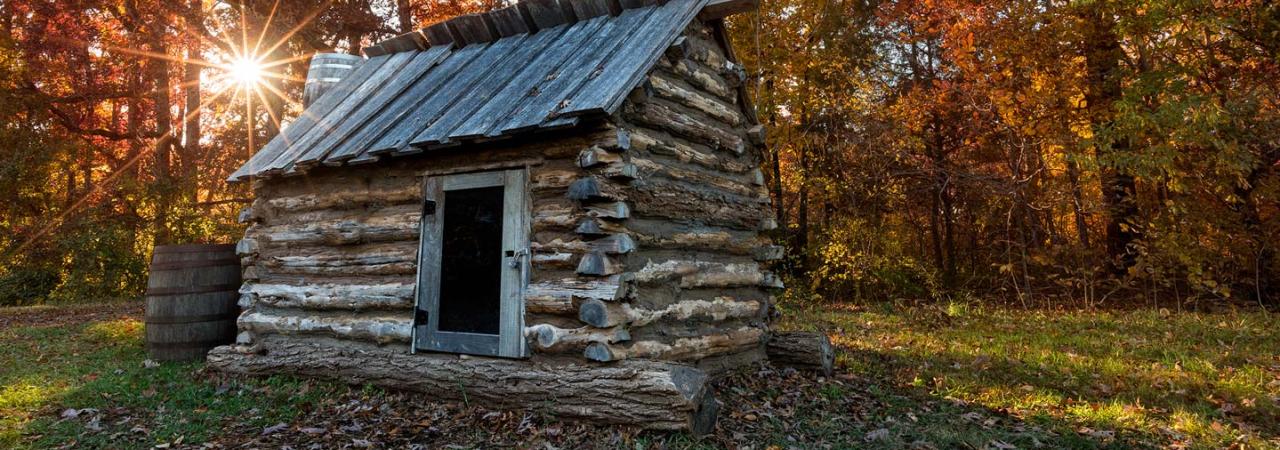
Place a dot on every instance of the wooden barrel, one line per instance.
(326, 70)
(191, 300)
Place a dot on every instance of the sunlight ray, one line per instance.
(270, 114)
(221, 28)
(212, 80)
(216, 36)
(244, 33)
(284, 77)
(265, 26)
(279, 93)
(248, 117)
(291, 59)
(145, 53)
(301, 24)
(96, 187)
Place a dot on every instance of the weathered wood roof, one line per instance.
(537, 65)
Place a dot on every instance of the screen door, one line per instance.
(472, 265)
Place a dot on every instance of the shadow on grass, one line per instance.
(960, 421)
(87, 386)
(1127, 379)
(909, 379)
(793, 410)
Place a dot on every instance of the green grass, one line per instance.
(1126, 378)
(911, 377)
(100, 365)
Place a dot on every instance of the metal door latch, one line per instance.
(516, 257)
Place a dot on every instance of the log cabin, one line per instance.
(555, 205)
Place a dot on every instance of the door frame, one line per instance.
(516, 217)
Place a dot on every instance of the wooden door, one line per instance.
(473, 264)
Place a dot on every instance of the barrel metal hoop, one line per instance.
(191, 319)
(195, 264)
(180, 290)
(208, 343)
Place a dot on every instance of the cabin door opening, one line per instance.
(472, 264)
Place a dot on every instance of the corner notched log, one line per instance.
(802, 350)
(649, 394)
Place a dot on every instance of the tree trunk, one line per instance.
(1103, 58)
(935, 231)
(191, 121)
(1077, 204)
(404, 12)
(802, 214)
(779, 208)
(942, 225)
(163, 146)
(1251, 218)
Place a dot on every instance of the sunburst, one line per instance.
(243, 70)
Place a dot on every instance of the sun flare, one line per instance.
(246, 71)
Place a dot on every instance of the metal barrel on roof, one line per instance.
(326, 70)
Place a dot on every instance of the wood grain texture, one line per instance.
(430, 108)
(498, 75)
(300, 127)
(685, 349)
(397, 112)
(802, 350)
(652, 395)
(335, 116)
(374, 106)
(628, 65)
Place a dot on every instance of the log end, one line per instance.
(585, 189)
(599, 352)
(803, 351)
(703, 421)
(595, 313)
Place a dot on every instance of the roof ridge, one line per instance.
(529, 16)
(526, 16)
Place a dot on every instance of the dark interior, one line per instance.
(471, 263)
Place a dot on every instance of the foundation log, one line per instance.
(649, 394)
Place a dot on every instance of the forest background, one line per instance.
(1037, 152)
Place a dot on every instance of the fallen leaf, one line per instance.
(877, 435)
(274, 429)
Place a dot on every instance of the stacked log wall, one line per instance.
(333, 254)
(698, 285)
(645, 243)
